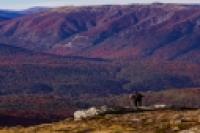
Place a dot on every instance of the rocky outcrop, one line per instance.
(95, 111)
(78, 115)
(91, 112)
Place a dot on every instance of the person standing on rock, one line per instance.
(136, 99)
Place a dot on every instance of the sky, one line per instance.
(24, 4)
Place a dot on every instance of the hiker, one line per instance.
(137, 99)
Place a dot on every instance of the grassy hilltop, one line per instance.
(166, 121)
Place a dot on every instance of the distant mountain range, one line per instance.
(157, 31)
(9, 14)
(147, 46)
(36, 9)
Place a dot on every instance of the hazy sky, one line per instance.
(23, 4)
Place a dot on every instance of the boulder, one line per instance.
(91, 112)
(82, 114)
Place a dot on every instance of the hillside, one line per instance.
(45, 107)
(167, 121)
(57, 60)
(150, 47)
(6, 50)
(158, 31)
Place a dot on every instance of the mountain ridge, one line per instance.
(110, 31)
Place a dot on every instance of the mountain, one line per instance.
(36, 9)
(157, 31)
(7, 15)
(145, 47)
(75, 57)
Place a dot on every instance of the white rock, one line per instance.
(91, 112)
(82, 114)
(160, 106)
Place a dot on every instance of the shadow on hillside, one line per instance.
(11, 121)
